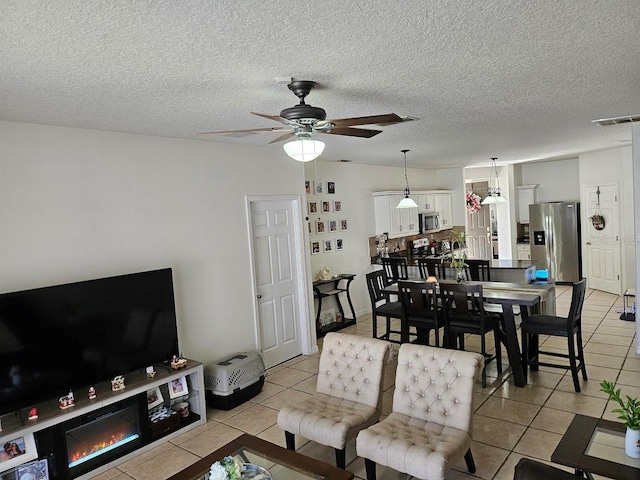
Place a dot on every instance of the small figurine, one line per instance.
(117, 383)
(67, 401)
(151, 372)
(92, 393)
(33, 413)
(178, 362)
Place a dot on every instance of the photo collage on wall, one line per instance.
(325, 217)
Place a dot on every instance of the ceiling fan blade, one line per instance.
(353, 132)
(267, 129)
(282, 137)
(272, 117)
(348, 122)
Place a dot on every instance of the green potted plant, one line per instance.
(458, 255)
(629, 413)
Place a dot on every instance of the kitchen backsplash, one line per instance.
(400, 245)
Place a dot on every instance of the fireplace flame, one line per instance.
(115, 439)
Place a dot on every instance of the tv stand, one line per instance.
(48, 428)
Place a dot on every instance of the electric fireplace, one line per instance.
(95, 439)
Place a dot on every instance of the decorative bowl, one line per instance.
(255, 472)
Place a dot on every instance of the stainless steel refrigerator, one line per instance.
(555, 240)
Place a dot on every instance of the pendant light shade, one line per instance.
(494, 193)
(407, 201)
(304, 148)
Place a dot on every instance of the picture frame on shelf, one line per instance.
(331, 188)
(313, 208)
(328, 246)
(337, 206)
(333, 225)
(339, 244)
(38, 470)
(318, 188)
(154, 398)
(326, 207)
(24, 448)
(178, 387)
(315, 248)
(320, 226)
(344, 224)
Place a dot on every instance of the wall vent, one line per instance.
(603, 122)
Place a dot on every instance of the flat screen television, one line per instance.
(64, 337)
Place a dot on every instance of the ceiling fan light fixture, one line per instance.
(407, 201)
(304, 148)
(494, 192)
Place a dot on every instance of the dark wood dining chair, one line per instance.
(396, 268)
(381, 306)
(431, 267)
(478, 269)
(462, 304)
(569, 327)
(420, 309)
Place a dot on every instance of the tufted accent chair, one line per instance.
(429, 427)
(348, 394)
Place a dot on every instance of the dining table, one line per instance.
(529, 298)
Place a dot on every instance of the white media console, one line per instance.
(48, 427)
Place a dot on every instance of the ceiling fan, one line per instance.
(303, 120)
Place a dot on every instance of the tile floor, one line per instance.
(509, 422)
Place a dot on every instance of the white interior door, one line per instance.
(478, 232)
(602, 246)
(278, 272)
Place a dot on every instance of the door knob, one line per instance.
(588, 243)
(259, 296)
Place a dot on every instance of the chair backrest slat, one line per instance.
(395, 268)
(577, 301)
(431, 267)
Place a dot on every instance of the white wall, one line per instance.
(79, 204)
(559, 180)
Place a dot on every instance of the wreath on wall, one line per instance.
(473, 202)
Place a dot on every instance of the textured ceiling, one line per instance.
(518, 80)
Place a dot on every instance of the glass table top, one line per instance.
(609, 445)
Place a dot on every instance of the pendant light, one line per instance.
(407, 201)
(304, 148)
(494, 193)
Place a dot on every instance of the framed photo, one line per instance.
(35, 470)
(331, 188)
(315, 248)
(344, 225)
(307, 187)
(20, 450)
(337, 206)
(178, 387)
(339, 244)
(320, 226)
(333, 225)
(326, 207)
(317, 188)
(313, 207)
(328, 246)
(154, 398)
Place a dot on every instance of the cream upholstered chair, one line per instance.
(348, 394)
(429, 427)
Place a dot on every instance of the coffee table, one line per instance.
(282, 463)
(596, 446)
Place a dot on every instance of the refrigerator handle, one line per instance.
(550, 247)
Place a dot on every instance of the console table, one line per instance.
(333, 287)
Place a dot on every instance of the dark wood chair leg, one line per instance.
(573, 364)
(341, 458)
(471, 466)
(291, 440)
(583, 367)
(370, 467)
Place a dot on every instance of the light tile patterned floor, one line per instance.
(509, 422)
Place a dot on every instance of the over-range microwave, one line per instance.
(429, 221)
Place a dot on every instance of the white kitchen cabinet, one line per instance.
(397, 222)
(426, 202)
(442, 202)
(526, 197)
(523, 251)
